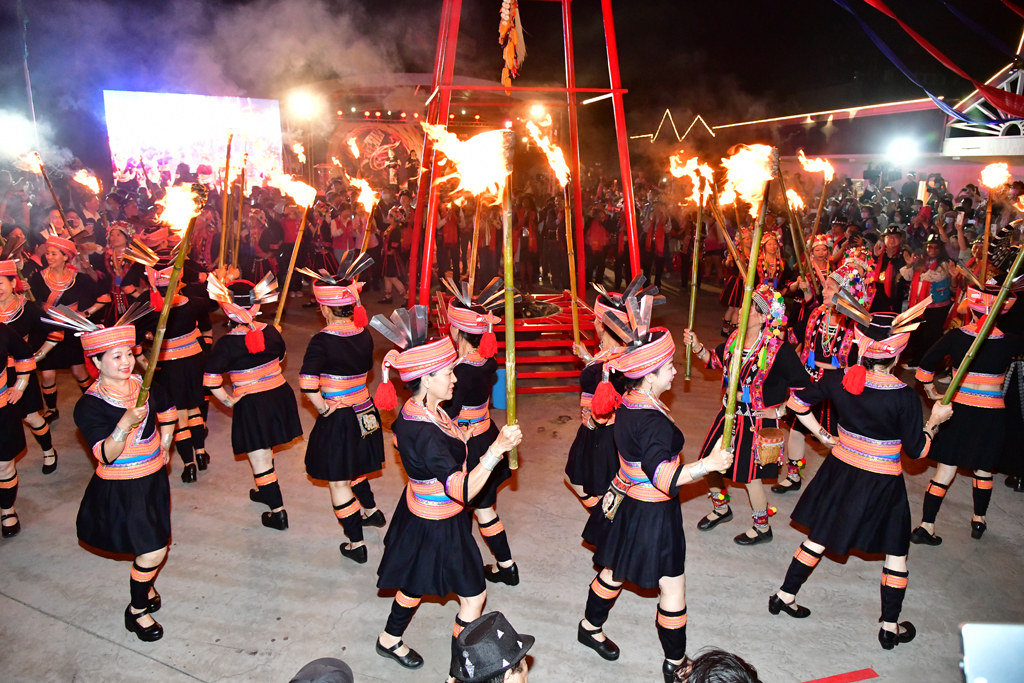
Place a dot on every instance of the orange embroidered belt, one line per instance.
(255, 380)
(4, 392)
(181, 347)
(872, 455)
(428, 500)
(981, 391)
(140, 457)
(634, 482)
(585, 409)
(350, 391)
(478, 417)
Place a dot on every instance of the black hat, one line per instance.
(934, 239)
(894, 230)
(326, 670)
(487, 647)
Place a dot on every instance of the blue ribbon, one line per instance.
(981, 31)
(880, 44)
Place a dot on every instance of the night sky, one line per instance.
(730, 60)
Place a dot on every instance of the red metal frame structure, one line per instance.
(556, 331)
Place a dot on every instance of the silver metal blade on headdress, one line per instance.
(320, 275)
(851, 308)
(265, 290)
(139, 253)
(62, 316)
(137, 311)
(909, 314)
(457, 292)
(360, 263)
(11, 247)
(620, 329)
(419, 324)
(651, 292)
(633, 287)
(969, 275)
(395, 335)
(400, 318)
(604, 292)
(217, 290)
(348, 257)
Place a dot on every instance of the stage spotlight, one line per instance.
(463, 112)
(477, 117)
(366, 114)
(353, 110)
(508, 124)
(451, 116)
(377, 114)
(389, 113)
(416, 115)
(902, 150)
(402, 114)
(304, 104)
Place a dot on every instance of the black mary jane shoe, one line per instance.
(777, 604)
(922, 537)
(410, 660)
(375, 520)
(793, 486)
(275, 520)
(668, 669)
(51, 415)
(51, 468)
(1011, 482)
(202, 461)
(888, 640)
(257, 497)
(977, 529)
(188, 475)
(761, 537)
(495, 573)
(154, 603)
(357, 555)
(147, 634)
(707, 523)
(14, 529)
(606, 648)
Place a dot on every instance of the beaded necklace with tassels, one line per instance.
(61, 284)
(13, 309)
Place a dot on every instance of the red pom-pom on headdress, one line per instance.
(488, 345)
(359, 317)
(254, 341)
(156, 300)
(853, 380)
(385, 397)
(606, 400)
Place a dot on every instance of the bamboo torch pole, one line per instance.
(224, 213)
(283, 300)
(56, 199)
(510, 295)
(475, 247)
(695, 270)
(986, 329)
(198, 193)
(821, 209)
(741, 331)
(571, 250)
(797, 233)
(983, 274)
(737, 258)
(238, 221)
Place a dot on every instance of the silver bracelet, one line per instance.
(489, 461)
(119, 435)
(21, 384)
(698, 470)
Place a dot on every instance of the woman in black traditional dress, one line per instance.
(973, 439)
(858, 498)
(59, 283)
(429, 548)
(120, 274)
(126, 509)
(732, 286)
(180, 368)
(17, 354)
(593, 460)
(347, 441)
(827, 346)
(644, 544)
(471, 330)
(24, 318)
(770, 368)
(266, 414)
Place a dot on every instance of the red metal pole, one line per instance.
(629, 206)
(574, 148)
(425, 179)
(444, 104)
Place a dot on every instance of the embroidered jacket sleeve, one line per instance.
(933, 356)
(911, 422)
(802, 400)
(661, 461)
(312, 366)
(95, 423)
(218, 362)
(20, 353)
(435, 449)
(716, 360)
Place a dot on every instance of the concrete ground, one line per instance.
(246, 603)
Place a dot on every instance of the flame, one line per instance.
(181, 205)
(693, 170)
(480, 162)
(353, 147)
(303, 194)
(796, 202)
(31, 162)
(334, 160)
(460, 201)
(816, 166)
(367, 197)
(87, 180)
(746, 172)
(552, 151)
(995, 175)
(300, 152)
(1019, 204)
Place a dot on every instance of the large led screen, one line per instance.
(156, 132)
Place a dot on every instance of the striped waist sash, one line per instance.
(428, 500)
(631, 477)
(4, 391)
(350, 391)
(872, 455)
(255, 380)
(138, 459)
(981, 391)
(181, 347)
(478, 417)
